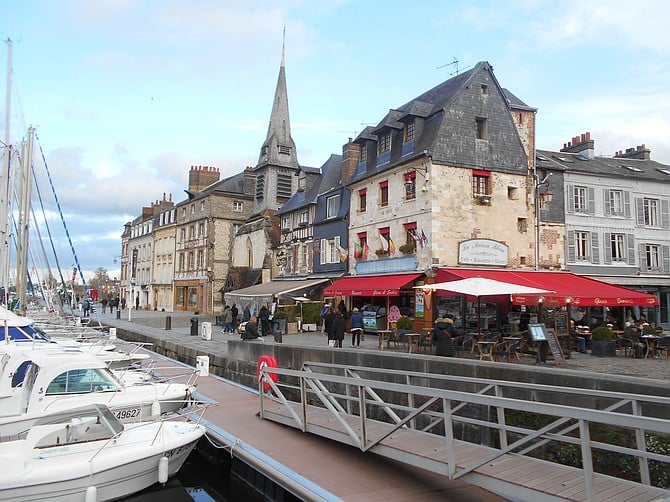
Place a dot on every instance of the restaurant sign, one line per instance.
(483, 252)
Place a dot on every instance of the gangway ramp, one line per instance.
(469, 428)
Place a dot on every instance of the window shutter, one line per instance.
(571, 199)
(608, 203)
(630, 241)
(665, 217)
(643, 258)
(639, 212)
(571, 247)
(324, 251)
(626, 204)
(665, 259)
(595, 255)
(608, 247)
(591, 208)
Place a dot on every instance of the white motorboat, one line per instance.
(88, 454)
(38, 380)
(22, 330)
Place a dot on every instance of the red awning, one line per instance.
(371, 285)
(582, 291)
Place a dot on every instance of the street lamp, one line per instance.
(132, 297)
(543, 196)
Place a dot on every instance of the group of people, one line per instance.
(112, 303)
(335, 324)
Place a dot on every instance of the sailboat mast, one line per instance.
(5, 186)
(25, 186)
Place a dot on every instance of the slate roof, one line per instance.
(634, 169)
(330, 169)
(233, 185)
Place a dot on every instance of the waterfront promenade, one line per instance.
(155, 322)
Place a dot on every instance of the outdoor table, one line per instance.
(650, 341)
(413, 339)
(485, 349)
(510, 341)
(384, 336)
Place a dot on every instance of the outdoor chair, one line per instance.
(664, 345)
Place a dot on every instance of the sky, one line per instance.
(126, 95)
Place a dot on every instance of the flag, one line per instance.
(385, 243)
(391, 246)
(366, 250)
(342, 253)
(358, 251)
(415, 235)
(424, 238)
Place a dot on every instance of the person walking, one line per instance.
(329, 326)
(137, 302)
(246, 314)
(104, 304)
(227, 320)
(324, 313)
(356, 327)
(235, 313)
(123, 303)
(339, 329)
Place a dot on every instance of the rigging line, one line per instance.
(46, 223)
(60, 212)
(44, 253)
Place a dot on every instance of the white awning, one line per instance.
(264, 293)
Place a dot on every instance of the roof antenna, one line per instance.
(454, 62)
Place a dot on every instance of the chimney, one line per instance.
(350, 157)
(583, 145)
(639, 153)
(200, 177)
(249, 181)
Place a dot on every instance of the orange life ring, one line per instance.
(270, 362)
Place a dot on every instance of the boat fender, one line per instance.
(264, 361)
(155, 409)
(163, 465)
(91, 494)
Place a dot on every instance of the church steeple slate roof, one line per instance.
(279, 148)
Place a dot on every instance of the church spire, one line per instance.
(279, 148)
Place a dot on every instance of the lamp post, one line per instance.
(546, 196)
(132, 297)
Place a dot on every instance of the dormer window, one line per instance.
(409, 132)
(301, 183)
(384, 144)
(363, 153)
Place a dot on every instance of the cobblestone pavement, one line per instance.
(655, 369)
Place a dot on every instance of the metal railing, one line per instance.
(448, 406)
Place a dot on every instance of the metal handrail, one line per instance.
(324, 380)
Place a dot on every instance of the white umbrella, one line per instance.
(481, 286)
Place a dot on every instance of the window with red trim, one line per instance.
(384, 193)
(362, 200)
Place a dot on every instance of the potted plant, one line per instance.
(381, 252)
(649, 330)
(408, 248)
(602, 342)
(310, 315)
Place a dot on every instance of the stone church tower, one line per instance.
(274, 181)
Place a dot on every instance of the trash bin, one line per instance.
(194, 326)
(277, 331)
(206, 330)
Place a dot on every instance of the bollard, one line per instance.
(194, 326)
(118, 314)
(168, 323)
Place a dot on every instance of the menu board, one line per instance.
(540, 333)
(561, 323)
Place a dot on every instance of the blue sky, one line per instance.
(126, 95)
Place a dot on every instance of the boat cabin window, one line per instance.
(82, 381)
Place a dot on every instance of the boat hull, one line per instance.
(54, 474)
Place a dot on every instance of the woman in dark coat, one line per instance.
(443, 335)
(339, 328)
(329, 325)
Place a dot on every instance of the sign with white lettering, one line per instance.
(483, 252)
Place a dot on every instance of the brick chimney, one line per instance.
(161, 205)
(350, 157)
(249, 181)
(639, 153)
(200, 177)
(583, 145)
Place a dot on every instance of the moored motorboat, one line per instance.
(38, 380)
(88, 454)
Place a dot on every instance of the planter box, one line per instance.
(309, 326)
(603, 348)
(291, 328)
